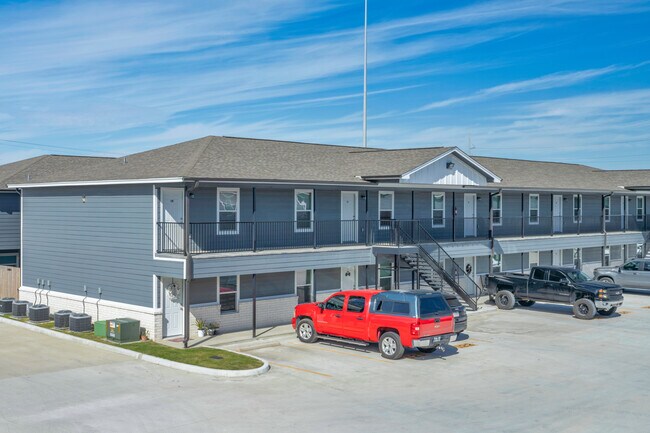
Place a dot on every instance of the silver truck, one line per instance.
(634, 274)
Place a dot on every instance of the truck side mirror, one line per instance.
(321, 306)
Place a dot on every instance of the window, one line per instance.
(401, 308)
(386, 205)
(228, 210)
(533, 259)
(10, 259)
(335, 303)
(647, 266)
(384, 306)
(497, 201)
(385, 276)
(577, 208)
(539, 274)
(555, 276)
(438, 210)
(432, 306)
(632, 266)
(607, 208)
(228, 292)
(640, 211)
(304, 284)
(304, 202)
(533, 209)
(496, 263)
(356, 304)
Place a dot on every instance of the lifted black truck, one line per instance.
(558, 285)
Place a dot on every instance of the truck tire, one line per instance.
(390, 346)
(306, 332)
(505, 300)
(526, 303)
(428, 349)
(606, 280)
(584, 309)
(607, 312)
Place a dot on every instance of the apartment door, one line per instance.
(557, 213)
(557, 257)
(172, 307)
(469, 266)
(348, 278)
(349, 215)
(469, 213)
(171, 220)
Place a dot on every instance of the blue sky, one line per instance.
(564, 80)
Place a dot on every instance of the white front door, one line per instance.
(557, 257)
(470, 214)
(349, 222)
(172, 290)
(557, 213)
(348, 278)
(469, 266)
(171, 219)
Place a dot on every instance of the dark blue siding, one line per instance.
(9, 221)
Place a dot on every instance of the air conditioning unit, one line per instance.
(80, 322)
(62, 318)
(5, 305)
(19, 308)
(39, 313)
(123, 330)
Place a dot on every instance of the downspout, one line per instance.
(453, 216)
(189, 266)
(604, 225)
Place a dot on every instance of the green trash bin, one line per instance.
(100, 328)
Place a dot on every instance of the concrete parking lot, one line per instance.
(536, 369)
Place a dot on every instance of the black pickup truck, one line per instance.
(555, 284)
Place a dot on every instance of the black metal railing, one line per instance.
(217, 237)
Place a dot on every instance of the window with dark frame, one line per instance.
(335, 303)
(356, 304)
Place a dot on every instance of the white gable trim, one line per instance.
(462, 155)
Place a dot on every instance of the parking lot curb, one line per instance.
(143, 357)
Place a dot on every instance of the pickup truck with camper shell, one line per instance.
(555, 284)
(419, 319)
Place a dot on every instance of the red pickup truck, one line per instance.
(394, 319)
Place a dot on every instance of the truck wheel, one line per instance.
(427, 349)
(606, 280)
(526, 303)
(505, 300)
(607, 312)
(390, 345)
(584, 309)
(306, 332)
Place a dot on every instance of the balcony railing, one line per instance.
(218, 237)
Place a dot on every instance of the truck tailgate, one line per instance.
(437, 326)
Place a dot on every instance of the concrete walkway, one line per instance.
(242, 340)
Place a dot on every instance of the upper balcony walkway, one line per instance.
(225, 237)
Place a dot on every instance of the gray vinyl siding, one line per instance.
(482, 265)
(9, 221)
(592, 255)
(272, 284)
(105, 242)
(327, 279)
(371, 275)
(511, 262)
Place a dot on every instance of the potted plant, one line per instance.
(213, 328)
(144, 334)
(200, 325)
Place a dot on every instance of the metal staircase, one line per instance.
(431, 271)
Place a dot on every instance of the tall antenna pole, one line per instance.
(365, 75)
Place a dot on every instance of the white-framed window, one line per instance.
(9, 259)
(640, 207)
(385, 276)
(496, 263)
(533, 209)
(607, 208)
(533, 259)
(304, 280)
(438, 209)
(228, 210)
(497, 209)
(577, 208)
(228, 293)
(386, 208)
(304, 210)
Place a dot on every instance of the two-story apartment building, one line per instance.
(237, 231)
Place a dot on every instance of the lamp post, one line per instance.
(365, 74)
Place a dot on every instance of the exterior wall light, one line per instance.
(450, 165)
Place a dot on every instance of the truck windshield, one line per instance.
(431, 306)
(578, 276)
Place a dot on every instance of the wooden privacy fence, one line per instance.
(9, 281)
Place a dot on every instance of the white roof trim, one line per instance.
(98, 182)
(471, 161)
